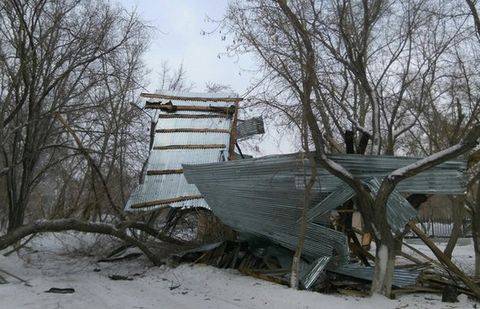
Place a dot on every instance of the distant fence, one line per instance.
(442, 229)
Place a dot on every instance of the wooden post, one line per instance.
(233, 134)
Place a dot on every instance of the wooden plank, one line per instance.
(164, 172)
(166, 201)
(206, 146)
(193, 130)
(233, 134)
(191, 116)
(168, 107)
(188, 98)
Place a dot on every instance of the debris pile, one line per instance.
(193, 165)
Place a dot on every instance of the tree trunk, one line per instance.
(476, 241)
(15, 218)
(294, 277)
(384, 242)
(384, 266)
(458, 215)
(118, 231)
(16, 214)
(476, 230)
(474, 287)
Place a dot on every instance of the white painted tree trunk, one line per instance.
(384, 266)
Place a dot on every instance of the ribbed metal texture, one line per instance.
(264, 196)
(172, 186)
(249, 127)
(317, 269)
(401, 277)
(190, 138)
(265, 202)
(174, 158)
(195, 123)
(399, 210)
(332, 201)
(277, 167)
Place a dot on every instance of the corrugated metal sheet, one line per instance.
(401, 277)
(332, 201)
(399, 210)
(174, 123)
(315, 271)
(174, 158)
(189, 138)
(264, 196)
(249, 127)
(265, 202)
(164, 183)
(429, 182)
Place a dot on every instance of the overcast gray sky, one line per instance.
(178, 39)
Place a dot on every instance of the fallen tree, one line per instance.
(118, 231)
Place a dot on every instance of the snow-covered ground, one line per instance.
(187, 286)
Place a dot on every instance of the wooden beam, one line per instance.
(233, 134)
(188, 98)
(171, 108)
(192, 130)
(445, 260)
(207, 146)
(166, 201)
(191, 116)
(164, 172)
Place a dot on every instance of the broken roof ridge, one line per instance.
(194, 96)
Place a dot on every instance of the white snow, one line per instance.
(161, 287)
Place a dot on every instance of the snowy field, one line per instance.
(50, 263)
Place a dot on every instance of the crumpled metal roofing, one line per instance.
(331, 202)
(263, 196)
(316, 268)
(164, 183)
(402, 277)
(249, 127)
(428, 182)
(399, 210)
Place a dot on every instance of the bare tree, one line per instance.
(474, 184)
(54, 57)
(292, 40)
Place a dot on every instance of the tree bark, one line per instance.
(76, 225)
(476, 229)
(294, 277)
(458, 215)
(384, 267)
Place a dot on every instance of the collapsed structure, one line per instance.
(263, 197)
(192, 128)
(192, 163)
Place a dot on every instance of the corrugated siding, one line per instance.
(175, 123)
(428, 182)
(267, 203)
(247, 128)
(172, 189)
(399, 210)
(190, 138)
